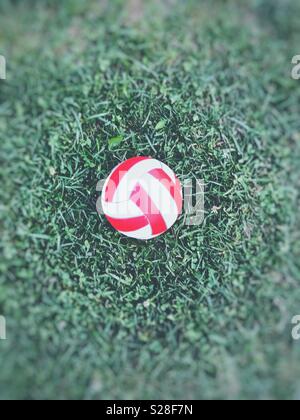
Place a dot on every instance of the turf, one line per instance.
(201, 312)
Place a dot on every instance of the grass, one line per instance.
(201, 312)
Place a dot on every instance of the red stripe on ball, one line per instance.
(128, 225)
(173, 188)
(147, 206)
(117, 176)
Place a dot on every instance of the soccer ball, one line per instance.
(142, 198)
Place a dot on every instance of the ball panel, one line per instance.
(178, 193)
(129, 180)
(146, 204)
(125, 209)
(161, 198)
(128, 225)
(142, 234)
(116, 176)
(171, 187)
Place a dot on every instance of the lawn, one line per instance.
(203, 311)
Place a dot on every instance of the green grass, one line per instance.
(201, 312)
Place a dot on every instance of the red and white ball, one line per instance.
(142, 198)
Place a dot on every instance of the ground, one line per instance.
(201, 312)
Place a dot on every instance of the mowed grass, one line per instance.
(201, 312)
